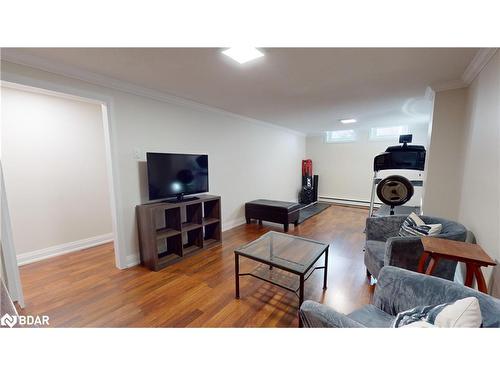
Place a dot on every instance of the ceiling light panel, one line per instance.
(243, 54)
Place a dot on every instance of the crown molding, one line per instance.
(39, 90)
(448, 85)
(65, 70)
(482, 57)
(479, 61)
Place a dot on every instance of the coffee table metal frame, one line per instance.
(303, 276)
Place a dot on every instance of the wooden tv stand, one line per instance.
(170, 231)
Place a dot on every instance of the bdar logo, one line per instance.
(8, 320)
(24, 320)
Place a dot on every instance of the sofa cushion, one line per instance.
(374, 256)
(372, 317)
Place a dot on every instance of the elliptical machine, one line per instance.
(396, 190)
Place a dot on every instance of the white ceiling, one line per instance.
(304, 89)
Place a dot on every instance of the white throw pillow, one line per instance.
(463, 313)
(415, 226)
(418, 221)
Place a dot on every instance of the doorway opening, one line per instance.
(57, 162)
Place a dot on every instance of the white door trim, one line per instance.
(106, 102)
(13, 280)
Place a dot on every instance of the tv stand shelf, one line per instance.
(190, 226)
(165, 233)
(171, 231)
(210, 220)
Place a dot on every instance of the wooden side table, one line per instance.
(472, 255)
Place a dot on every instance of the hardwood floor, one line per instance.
(85, 289)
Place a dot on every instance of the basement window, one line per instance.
(338, 136)
(389, 132)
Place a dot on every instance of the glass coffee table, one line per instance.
(286, 261)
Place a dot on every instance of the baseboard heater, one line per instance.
(354, 202)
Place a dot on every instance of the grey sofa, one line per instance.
(399, 290)
(384, 247)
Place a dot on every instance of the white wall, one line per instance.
(479, 207)
(444, 157)
(247, 159)
(346, 169)
(463, 178)
(55, 173)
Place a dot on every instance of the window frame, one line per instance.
(373, 137)
(329, 139)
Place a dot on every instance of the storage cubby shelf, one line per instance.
(190, 226)
(168, 232)
(165, 233)
(210, 220)
(190, 249)
(210, 242)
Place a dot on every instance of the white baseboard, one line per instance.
(233, 223)
(49, 252)
(351, 202)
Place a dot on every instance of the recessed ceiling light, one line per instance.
(243, 54)
(348, 121)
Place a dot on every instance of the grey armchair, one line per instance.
(385, 248)
(399, 290)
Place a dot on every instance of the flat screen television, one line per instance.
(176, 175)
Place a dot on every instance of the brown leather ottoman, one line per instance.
(273, 211)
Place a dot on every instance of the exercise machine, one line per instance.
(395, 190)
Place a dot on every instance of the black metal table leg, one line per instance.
(301, 290)
(325, 276)
(237, 274)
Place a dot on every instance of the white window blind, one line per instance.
(387, 132)
(348, 135)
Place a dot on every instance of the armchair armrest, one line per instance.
(382, 228)
(316, 315)
(404, 252)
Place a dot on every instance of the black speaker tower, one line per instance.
(315, 187)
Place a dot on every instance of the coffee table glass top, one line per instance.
(290, 252)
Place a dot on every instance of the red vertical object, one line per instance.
(307, 193)
(307, 168)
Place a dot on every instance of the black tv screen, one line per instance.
(171, 175)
